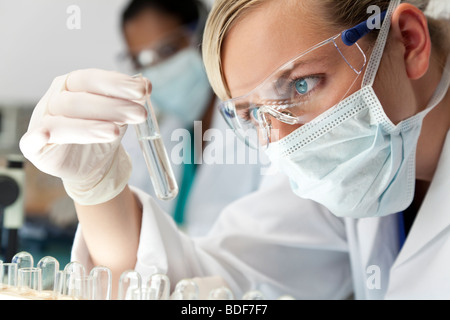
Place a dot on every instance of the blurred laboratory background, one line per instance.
(42, 39)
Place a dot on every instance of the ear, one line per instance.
(410, 26)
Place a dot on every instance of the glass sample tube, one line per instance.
(130, 284)
(148, 294)
(23, 260)
(160, 285)
(8, 281)
(50, 268)
(186, 289)
(136, 294)
(29, 281)
(222, 293)
(102, 283)
(155, 154)
(253, 295)
(59, 284)
(84, 288)
(286, 297)
(143, 294)
(72, 271)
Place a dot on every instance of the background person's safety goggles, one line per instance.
(160, 51)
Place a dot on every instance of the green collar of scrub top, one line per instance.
(189, 170)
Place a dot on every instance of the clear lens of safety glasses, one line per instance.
(158, 52)
(296, 93)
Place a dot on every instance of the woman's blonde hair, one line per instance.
(342, 13)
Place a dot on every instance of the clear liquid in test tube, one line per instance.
(155, 154)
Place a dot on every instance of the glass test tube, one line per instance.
(50, 268)
(23, 259)
(155, 154)
(222, 293)
(72, 271)
(186, 289)
(130, 285)
(59, 284)
(30, 281)
(8, 279)
(253, 295)
(160, 285)
(286, 297)
(102, 283)
(84, 288)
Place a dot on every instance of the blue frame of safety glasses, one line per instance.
(352, 35)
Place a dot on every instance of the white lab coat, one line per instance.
(421, 269)
(216, 184)
(278, 243)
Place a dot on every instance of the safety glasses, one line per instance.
(159, 51)
(299, 90)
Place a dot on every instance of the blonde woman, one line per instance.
(349, 98)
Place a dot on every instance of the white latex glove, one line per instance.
(76, 129)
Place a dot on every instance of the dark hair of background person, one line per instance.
(187, 11)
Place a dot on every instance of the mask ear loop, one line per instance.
(441, 89)
(380, 44)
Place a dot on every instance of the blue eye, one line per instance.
(304, 85)
(254, 114)
(301, 86)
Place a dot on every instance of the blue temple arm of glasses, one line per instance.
(352, 35)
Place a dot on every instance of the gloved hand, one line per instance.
(76, 129)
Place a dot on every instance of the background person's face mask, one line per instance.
(352, 159)
(180, 86)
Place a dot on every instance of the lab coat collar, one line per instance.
(434, 214)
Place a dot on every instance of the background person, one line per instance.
(163, 43)
(163, 39)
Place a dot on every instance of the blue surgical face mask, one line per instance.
(180, 86)
(352, 159)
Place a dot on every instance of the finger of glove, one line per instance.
(83, 105)
(107, 83)
(33, 141)
(62, 130)
(41, 109)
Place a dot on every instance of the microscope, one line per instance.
(12, 207)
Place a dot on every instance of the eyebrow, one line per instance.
(286, 74)
(241, 106)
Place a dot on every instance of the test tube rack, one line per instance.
(22, 280)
